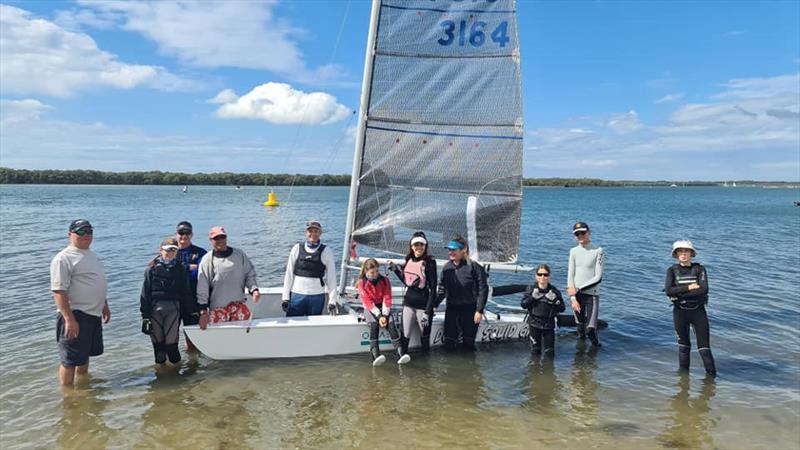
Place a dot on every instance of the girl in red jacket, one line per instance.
(376, 295)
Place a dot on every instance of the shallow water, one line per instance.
(626, 395)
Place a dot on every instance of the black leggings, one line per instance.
(540, 337)
(590, 309)
(698, 319)
(460, 319)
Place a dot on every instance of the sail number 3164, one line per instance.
(475, 35)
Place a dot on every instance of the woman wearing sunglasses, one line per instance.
(543, 302)
(164, 289)
(418, 274)
(465, 287)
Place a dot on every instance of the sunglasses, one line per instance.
(542, 274)
(219, 238)
(84, 232)
(184, 233)
(580, 233)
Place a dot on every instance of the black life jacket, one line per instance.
(546, 303)
(167, 282)
(310, 265)
(688, 300)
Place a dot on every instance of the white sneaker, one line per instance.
(378, 361)
(404, 359)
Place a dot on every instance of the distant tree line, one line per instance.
(23, 176)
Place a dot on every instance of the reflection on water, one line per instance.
(543, 387)
(583, 385)
(82, 424)
(689, 422)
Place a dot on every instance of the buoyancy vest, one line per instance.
(688, 300)
(310, 265)
(167, 282)
(544, 307)
(414, 273)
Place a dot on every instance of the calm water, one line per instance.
(627, 395)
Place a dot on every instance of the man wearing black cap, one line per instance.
(189, 255)
(78, 282)
(583, 282)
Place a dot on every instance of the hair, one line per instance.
(460, 239)
(369, 264)
(542, 266)
(410, 253)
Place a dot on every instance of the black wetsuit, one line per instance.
(466, 289)
(543, 306)
(164, 290)
(689, 309)
(190, 312)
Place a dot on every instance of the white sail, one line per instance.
(439, 147)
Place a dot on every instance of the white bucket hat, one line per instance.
(683, 243)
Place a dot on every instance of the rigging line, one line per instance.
(293, 147)
(432, 56)
(334, 150)
(453, 11)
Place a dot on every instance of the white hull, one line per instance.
(297, 337)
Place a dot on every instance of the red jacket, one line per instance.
(375, 295)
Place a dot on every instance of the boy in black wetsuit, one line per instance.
(543, 302)
(687, 287)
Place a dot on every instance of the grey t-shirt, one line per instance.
(585, 269)
(222, 280)
(81, 274)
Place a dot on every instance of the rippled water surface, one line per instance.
(626, 395)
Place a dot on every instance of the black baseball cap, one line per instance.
(184, 226)
(79, 224)
(580, 226)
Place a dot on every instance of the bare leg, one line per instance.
(189, 344)
(82, 370)
(66, 375)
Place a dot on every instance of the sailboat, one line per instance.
(438, 149)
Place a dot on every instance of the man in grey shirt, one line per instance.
(583, 282)
(224, 274)
(78, 282)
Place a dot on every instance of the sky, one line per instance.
(620, 90)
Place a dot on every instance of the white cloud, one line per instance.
(744, 131)
(625, 123)
(13, 111)
(243, 34)
(39, 57)
(670, 98)
(734, 33)
(279, 103)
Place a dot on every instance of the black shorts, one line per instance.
(76, 352)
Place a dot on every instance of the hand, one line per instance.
(285, 305)
(424, 320)
(332, 308)
(694, 286)
(71, 328)
(147, 326)
(106, 313)
(572, 291)
(391, 266)
(256, 296)
(203, 322)
(575, 305)
(477, 317)
(383, 322)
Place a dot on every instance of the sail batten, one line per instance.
(442, 132)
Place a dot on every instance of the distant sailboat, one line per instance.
(725, 184)
(673, 185)
(185, 189)
(733, 184)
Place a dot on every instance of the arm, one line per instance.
(598, 271)
(702, 280)
(527, 298)
(250, 281)
(145, 300)
(288, 278)
(330, 275)
(367, 300)
(188, 305)
(672, 289)
(203, 281)
(483, 287)
(387, 293)
(430, 276)
(397, 270)
(571, 270)
(560, 306)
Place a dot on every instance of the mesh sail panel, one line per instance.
(443, 144)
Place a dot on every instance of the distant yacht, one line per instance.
(185, 189)
(725, 184)
(733, 184)
(673, 185)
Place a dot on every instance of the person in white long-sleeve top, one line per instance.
(310, 274)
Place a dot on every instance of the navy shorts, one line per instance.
(76, 352)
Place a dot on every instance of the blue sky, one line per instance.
(612, 89)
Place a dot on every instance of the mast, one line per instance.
(360, 137)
